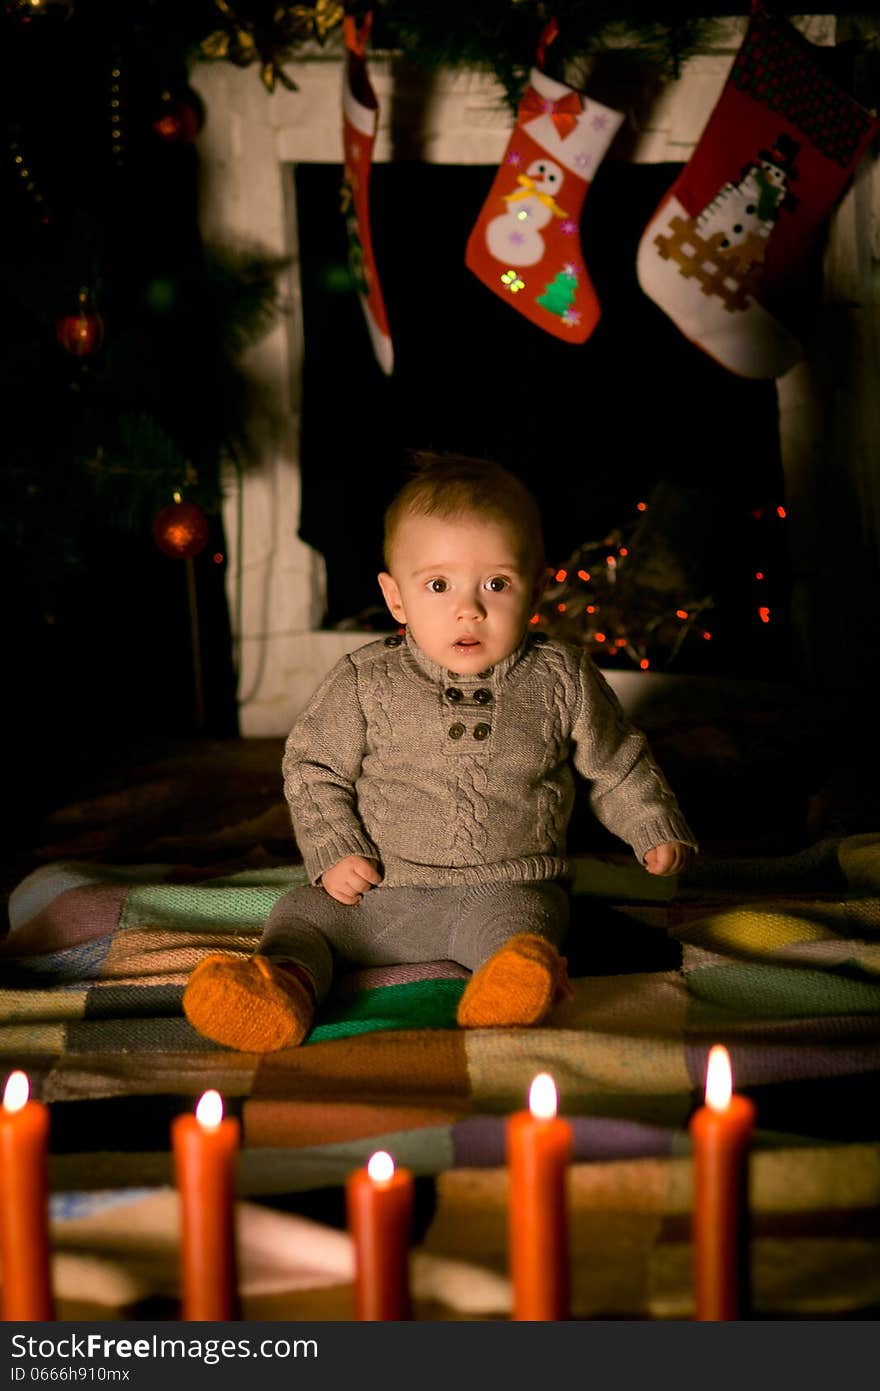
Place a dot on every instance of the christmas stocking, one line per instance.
(360, 116)
(525, 245)
(725, 250)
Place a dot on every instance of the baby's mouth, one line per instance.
(466, 643)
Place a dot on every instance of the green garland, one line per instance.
(501, 36)
(498, 36)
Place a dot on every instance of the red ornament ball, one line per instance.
(180, 119)
(82, 332)
(181, 530)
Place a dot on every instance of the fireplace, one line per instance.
(262, 162)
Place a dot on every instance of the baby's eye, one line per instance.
(438, 586)
(497, 584)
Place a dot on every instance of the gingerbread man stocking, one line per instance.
(526, 245)
(360, 113)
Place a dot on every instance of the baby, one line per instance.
(430, 781)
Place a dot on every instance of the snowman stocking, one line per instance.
(525, 245)
(725, 251)
(360, 112)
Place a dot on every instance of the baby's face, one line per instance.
(464, 587)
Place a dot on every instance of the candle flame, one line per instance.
(542, 1097)
(719, 1078)
(380, 1166)
(209, 1112)
(16, 1092)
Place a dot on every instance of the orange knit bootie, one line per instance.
(251, 1004)
(518, 985)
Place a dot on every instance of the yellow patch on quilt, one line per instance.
(603, 1070)
(16, 1039)
(143, 954)
(41, 1006)
(760, 932)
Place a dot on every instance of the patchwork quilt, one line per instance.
(779, 959)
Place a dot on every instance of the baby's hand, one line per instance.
(348, 880)
(669, 858)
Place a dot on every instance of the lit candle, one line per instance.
(379, 1200)
(24, 1219)
(720, 1135)
(205, 1149)
(539, 1145)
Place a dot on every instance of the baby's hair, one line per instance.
(454, 485)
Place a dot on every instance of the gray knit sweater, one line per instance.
(446, 779)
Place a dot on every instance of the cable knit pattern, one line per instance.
(556, 798)
(472, 812)
(445, 779)
(381, 713)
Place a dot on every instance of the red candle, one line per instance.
(720, 1135)
(379, 1200)
(205, 1150)
(24, 1218)
(539, 1145)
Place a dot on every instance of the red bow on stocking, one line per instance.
(563, 113)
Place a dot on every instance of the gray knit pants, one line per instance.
(395, 925)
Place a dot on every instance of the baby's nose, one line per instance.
(471, 606)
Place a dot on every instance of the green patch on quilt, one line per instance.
(420, 1004)
(224, 908)
(779, 992)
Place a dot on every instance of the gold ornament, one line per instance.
(243, 41)
(328, 13)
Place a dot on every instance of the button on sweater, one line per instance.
(371, 766)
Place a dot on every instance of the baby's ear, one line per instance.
(391, 594)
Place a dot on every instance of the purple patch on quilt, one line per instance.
(757, 1064)
(372, 977)
(480, 1141)
(72, 917)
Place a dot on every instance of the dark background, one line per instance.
(97, 629)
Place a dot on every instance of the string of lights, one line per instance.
(626, 597)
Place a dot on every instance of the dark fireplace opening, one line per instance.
(636, 415)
